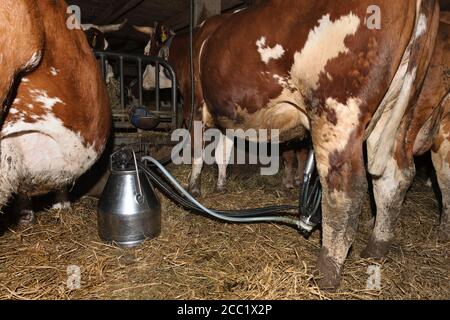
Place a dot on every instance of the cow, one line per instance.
(61, 199)
(160, 40)
(96, 33)
(326, 67)
(97, 40)
(56, 115)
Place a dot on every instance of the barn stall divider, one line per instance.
(140, 61)
(154, 122)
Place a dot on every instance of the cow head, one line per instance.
(160, 35)
(96, 34)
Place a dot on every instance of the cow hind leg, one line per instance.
(24, 210)
(61, 200)
(195, 179)
(289, 172)
(389, 190)
(223, 157)
(302, 156)
(344, 182)
(441, 161)
(198, 154)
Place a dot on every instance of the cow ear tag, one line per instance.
(164, 37)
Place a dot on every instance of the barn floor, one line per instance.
(197, 258)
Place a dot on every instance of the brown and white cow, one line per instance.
(97, 40)
(320, 66)
(96, 33)
(160, 39)
(56, 112)
(96, 37)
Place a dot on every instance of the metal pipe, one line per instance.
(157, 85)
(141, 96)
(122, 84)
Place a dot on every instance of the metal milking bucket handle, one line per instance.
(139, 197)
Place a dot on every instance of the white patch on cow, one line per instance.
(149, 81)
(13, 111)
(201, 55)
(284, 82)
(380, 142)
(109, 73)
(34, 61)
(223, 157)
(334, 138)
(422, 25)
(25, 80)
(196, 171)
(385, 189)
(325, 43)
(54, 71)
(16, 101)
(147, 48)
(41, 96)
(87, 26)
(61, 206)
(267, 53)
(281, 80)
(47, 150)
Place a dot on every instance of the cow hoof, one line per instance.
(330, 285)
(298, 181)
(27, 217)
(377, 250)
(194, 191)
(221, 189)
(61, 206)
(329, 272)
(288, 184)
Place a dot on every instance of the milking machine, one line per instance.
(129, 210)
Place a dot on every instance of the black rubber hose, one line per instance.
(169, 191)
(287, 220)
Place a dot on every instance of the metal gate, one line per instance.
(140, 61)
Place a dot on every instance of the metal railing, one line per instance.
(142, 61)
